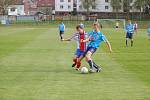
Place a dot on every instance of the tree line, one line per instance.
(124, 5)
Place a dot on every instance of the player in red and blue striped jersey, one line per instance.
(81, 46)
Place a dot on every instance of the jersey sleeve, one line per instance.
(90, 36)
(64, 27)
(104, 38)
(73, 37)
(86, 35)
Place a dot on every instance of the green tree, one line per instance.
(87, 4)
(116, 5)
(140, 4)
(4, 5)
(127, 6)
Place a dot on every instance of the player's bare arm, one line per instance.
(86, 40)
(109, 46)
(66, 39)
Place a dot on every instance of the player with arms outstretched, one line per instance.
(96, 37)
(81, 47)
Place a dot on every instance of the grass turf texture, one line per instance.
(35, 65)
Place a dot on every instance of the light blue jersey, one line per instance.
(130, 28)
(148, 30)
(61, 27)
(96, 39)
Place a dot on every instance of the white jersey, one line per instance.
(136, 26)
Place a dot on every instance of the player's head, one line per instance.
(129, 21)
(61, 22)
(96, 26)
(79, 29)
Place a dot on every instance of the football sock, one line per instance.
(75, 62)
(91, 64)
(126, 43)
(95, 65)
(61, 37)
(78, 64)
(131, 43)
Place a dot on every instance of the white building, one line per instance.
(101, 6)
(63, 5)
(16, 10)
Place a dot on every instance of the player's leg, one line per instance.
(131, 37)
(61, 35)
(74, 61)
(75, 58)
(127, 42)
(98, 68)
(78, 64)
(132, 42)
(80, 57)
(127, 38)
(90, 61)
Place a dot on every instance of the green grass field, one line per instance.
(35, 65)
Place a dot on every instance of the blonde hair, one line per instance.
(97, 24)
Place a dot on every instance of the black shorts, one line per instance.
(61, 32)
(117, 26)
(129, 35)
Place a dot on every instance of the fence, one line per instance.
(68, 20)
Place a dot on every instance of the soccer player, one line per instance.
(135, 26)
(117, 25)
(81, 47)
(96, 37)
(129, 32)
(148, 33)
(61, 30)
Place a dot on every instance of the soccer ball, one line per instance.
(84, 70)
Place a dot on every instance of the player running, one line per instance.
(61, 30)
(129, 32)
(95, 38)
(81, 47)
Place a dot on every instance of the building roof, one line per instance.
(18, 2)
(45, 3)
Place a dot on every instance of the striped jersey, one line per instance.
(78, 37)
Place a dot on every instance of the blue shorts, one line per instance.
(79, 53)
(129, 35)
(91, 49)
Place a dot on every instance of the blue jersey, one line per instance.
(148, 30)
(130, 28)
(96, 39)
(61, 27)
